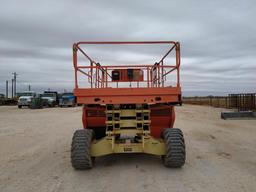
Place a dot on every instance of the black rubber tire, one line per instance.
(175, 148)
(80, 149)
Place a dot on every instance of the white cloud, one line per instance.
(217, 38)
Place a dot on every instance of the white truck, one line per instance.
(25, 98)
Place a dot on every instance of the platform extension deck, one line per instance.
(152, 86)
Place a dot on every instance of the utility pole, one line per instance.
(15, 80)
(6, 89)
(12, 87)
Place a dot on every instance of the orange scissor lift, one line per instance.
(127, 108)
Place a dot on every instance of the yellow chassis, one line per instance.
(108, 145)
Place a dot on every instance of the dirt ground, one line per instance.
(35, 155)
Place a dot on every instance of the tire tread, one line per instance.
(80, 149)
(175, 148)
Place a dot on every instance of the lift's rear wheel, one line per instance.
(175, 148)
(80, 149)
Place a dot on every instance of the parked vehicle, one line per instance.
(50, 98)
(25, 98)
(67, 99)
(2, 98)
(36, 103)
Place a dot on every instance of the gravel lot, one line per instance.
(35, 150)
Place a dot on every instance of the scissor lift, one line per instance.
(127, 108)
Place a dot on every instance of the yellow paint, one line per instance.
(108, 145)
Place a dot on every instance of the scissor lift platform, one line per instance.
(127, 108)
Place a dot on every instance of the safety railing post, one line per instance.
(148, 76)
(178, 63)
(162, 70)
(91, 74)
(106, 76)
(75, 64)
